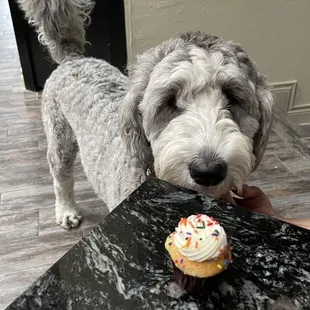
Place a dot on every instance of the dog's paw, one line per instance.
(68, 218)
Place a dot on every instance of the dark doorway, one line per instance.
(106, 34)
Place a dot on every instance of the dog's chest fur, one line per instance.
(90, 99)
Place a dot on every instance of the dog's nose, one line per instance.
(208, 173)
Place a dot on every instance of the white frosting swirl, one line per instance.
(200, 238)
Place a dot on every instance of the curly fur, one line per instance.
(192, 99)
(60, 24)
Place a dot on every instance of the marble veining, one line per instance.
(122, 262)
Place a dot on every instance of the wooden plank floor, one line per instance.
(29, 238)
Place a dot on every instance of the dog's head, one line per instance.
(199, 109)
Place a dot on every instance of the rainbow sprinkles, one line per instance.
(201, 238)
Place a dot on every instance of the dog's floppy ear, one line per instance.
(131, 117)
(266, 120)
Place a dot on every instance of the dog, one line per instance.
(194, 108)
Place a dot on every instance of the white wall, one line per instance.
(274, 32)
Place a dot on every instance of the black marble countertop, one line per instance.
(122, 262)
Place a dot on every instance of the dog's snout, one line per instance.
(208, 172)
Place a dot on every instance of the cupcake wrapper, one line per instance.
(196, 285)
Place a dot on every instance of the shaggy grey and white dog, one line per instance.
(195, 108)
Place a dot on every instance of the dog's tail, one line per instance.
(60, 24)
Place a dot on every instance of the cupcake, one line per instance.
(200, 252)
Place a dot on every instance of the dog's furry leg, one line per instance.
(60, 25)
(61, 156)
(62, 150)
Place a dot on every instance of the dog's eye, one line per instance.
(171, 102)
(230, 98)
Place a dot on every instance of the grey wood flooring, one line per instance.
(30, 241)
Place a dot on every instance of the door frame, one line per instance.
(110, 47)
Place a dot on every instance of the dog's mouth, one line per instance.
(230, 197)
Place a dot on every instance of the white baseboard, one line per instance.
(284, 95)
